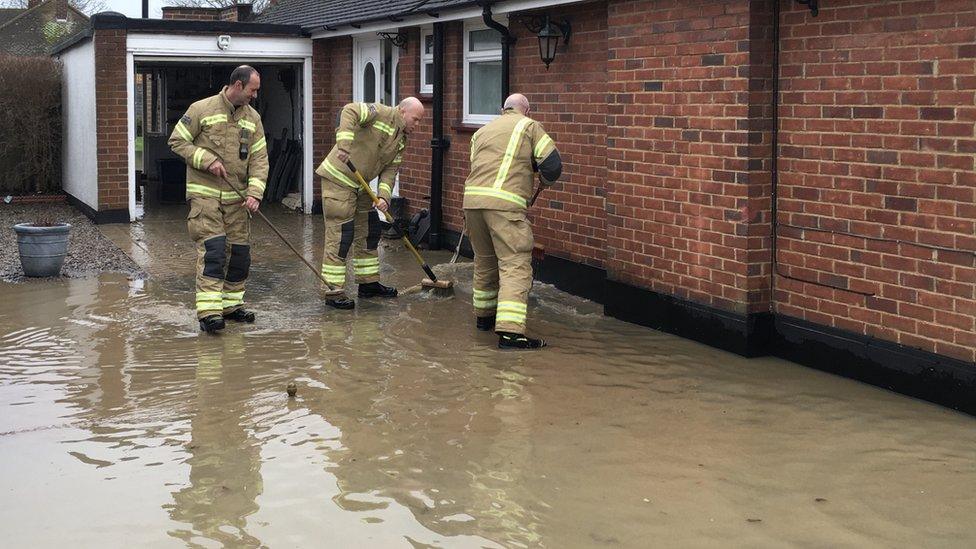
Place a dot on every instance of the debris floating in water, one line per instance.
(292, 389)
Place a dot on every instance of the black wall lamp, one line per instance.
(549, 33)
(812, 4)
(398, 39)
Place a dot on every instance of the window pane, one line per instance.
(428, 74)
(486, 39)
(485, 95)
(429, 44)
(369, 84)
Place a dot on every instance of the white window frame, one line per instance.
(424, 59)
(476, 56)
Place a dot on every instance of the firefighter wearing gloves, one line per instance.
(373, 137)
(222, 140)
(504, 155)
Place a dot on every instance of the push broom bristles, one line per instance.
(439, 288)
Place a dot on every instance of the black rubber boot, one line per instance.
(212, 324)
(375, 289)
(240, 315)
(340, 302)
(507, 340)
(485, 323)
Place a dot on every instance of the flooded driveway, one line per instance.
(122, 426)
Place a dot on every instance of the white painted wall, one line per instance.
(79, 158)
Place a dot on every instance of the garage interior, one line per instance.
(165, 89)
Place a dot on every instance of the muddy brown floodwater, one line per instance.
(122, 426)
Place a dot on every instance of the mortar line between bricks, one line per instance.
(878, 239)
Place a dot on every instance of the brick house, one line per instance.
(34, 30)
(786, 177)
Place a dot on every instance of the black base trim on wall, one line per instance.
(902, 369)
(571, 277)
(913, 372)
(317, 206)
(746, 335)
(585, 281)
(100, 217)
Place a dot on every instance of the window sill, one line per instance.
(468, 127)
(425, 97)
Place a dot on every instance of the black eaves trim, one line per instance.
(114, 20)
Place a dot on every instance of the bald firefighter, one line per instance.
(504, 156)
(222, 137)
(373, 137)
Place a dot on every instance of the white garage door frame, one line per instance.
(142, 47)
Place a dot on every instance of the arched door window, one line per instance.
(369, 83)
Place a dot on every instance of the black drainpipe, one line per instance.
(774, 176)
(145, 9)
(507, 40)
(438, 143)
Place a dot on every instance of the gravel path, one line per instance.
(89, 252)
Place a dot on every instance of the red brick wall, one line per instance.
(684, 217)
(415, 173)
(331, 90)
(415, 170)
(112, 126)
(877, 186)
(570, 100)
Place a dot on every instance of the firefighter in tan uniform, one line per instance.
(373, 137)
(504, 156)
(222, 137)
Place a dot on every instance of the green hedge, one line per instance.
(30, 125)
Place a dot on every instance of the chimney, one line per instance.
(61, 10)
(237, 12)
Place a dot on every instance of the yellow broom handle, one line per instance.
(389, 218)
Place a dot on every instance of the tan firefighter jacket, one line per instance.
(213, 129)
(373, 136)
(503, 153)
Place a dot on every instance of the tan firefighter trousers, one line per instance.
(222, 233)
(502, 243)
(350, 221)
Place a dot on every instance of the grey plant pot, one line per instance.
(42, 249)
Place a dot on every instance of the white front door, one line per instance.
(368, 71)
(374, 77)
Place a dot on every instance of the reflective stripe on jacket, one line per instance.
(213, 129)
(373, 136)
(502, 155)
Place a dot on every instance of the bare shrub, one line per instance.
(30, 125)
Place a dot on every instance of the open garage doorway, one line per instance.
(164, 89)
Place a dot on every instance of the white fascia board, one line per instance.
(445, 16)
(205, 46)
